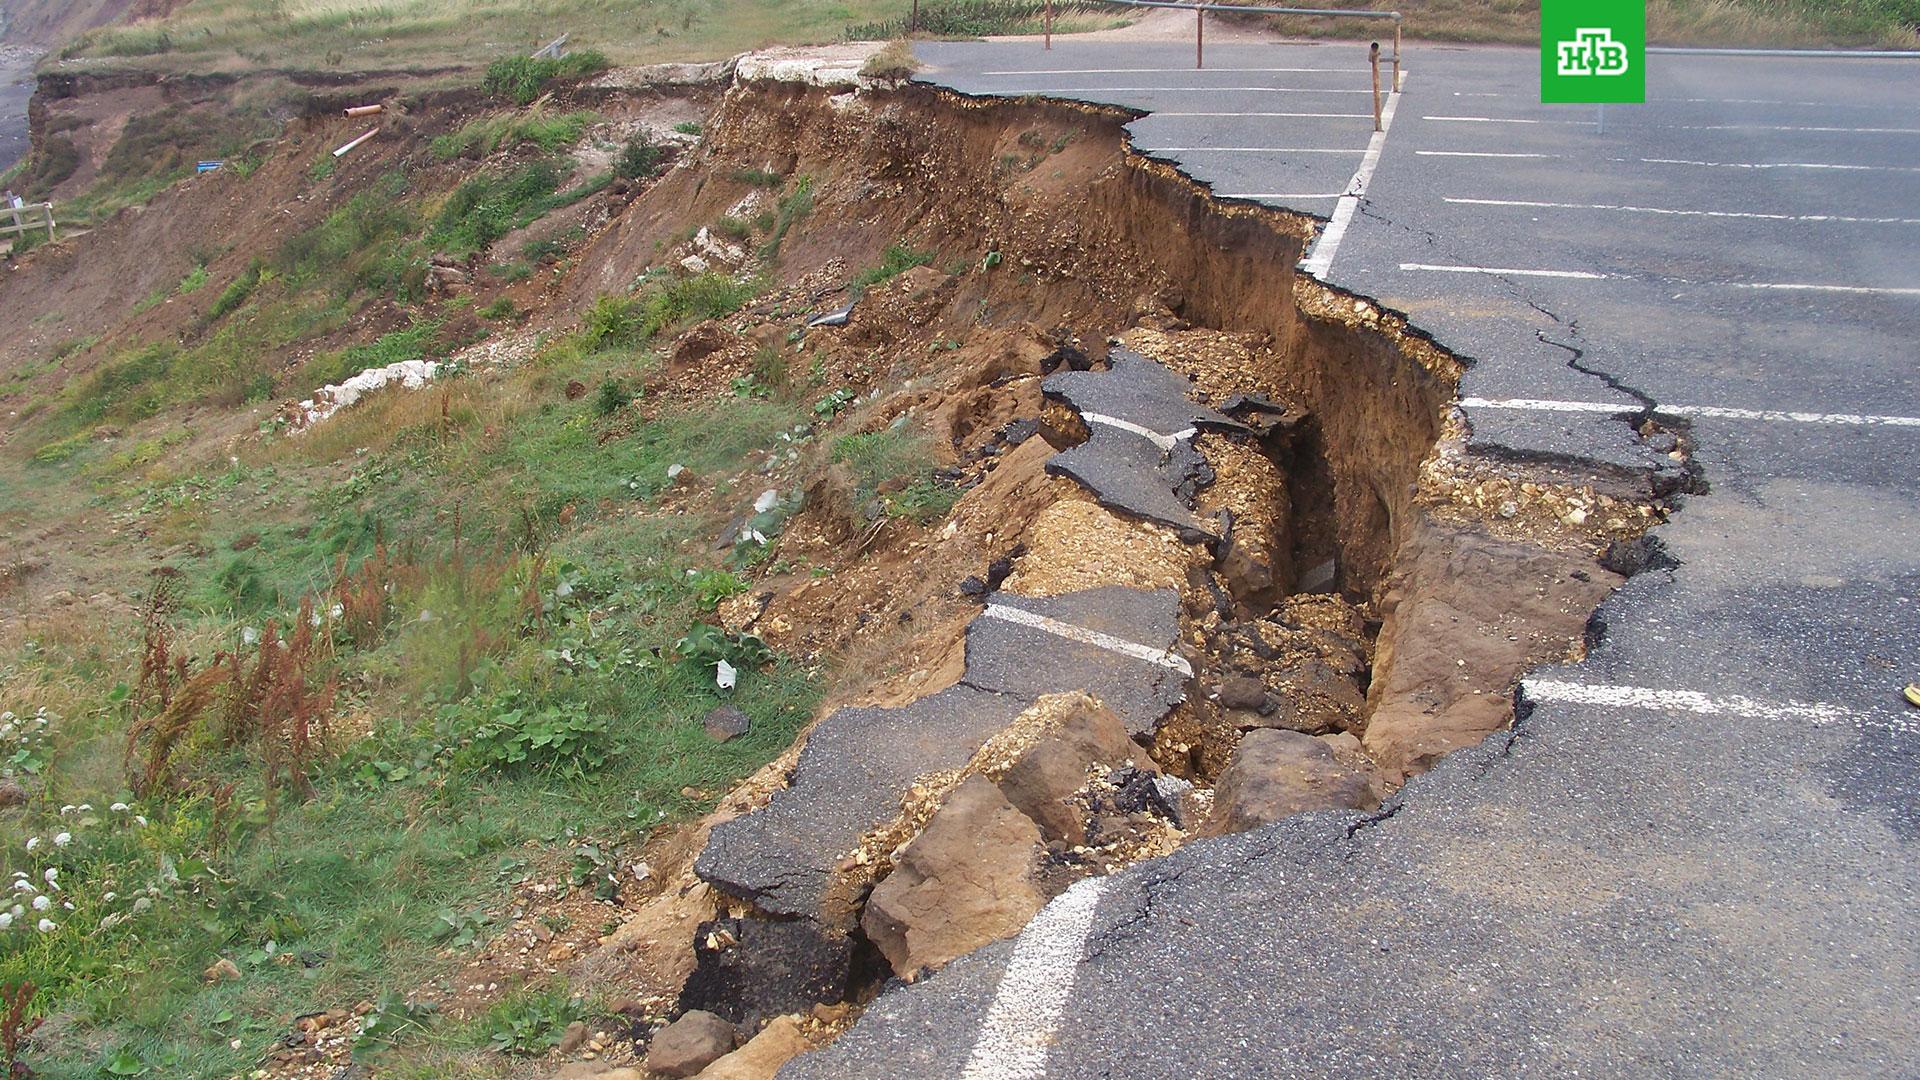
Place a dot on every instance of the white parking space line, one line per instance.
(1682, 161)
(1173, 71)
(1292, 115)
(1071, 632)
(1278, 195)
(1021, 1024)
(1717, 412)
(1523, 203)
(1819, 714)
(1672, 127)
(1164, 442)
(1506, 271)
(1320, 257)
(1178, 89)
(1710, 101)
(1259, 150)
(1585, 275)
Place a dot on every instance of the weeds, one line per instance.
(521, 79)
(899, 259)
(794, 206)
(639, 159)
(485, 136)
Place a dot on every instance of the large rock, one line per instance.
(690, 1044)
(1043, 778)
(966, 880)
(1276, 774)
(763, 1055)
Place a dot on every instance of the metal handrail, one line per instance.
(1200, 9)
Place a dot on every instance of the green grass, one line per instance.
(396, 347)
(486, 135)
(616, 321)
(1884, 23)
(522, 79)
(904, 457)
(352, 893)
(898, 259)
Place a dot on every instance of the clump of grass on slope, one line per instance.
(521, 79)
(488, 134)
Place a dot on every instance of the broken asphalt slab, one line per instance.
(859, 761)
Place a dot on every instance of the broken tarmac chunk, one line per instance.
(856, 765)
(1113, 642)
(1139, 457)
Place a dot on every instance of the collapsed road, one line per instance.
(1693, 854)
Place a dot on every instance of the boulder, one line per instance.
(966, 880)
(12, 794)
(1241, 692)
(1041, 780)
(690, 1044)
(763, 1055)
(1275, 774)
(727, 722)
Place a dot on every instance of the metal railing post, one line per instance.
(1199, 37)
(1049, 25)
(1373, 59)
(1396, 56)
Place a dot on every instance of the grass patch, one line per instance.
(792, 207)
(616, 321)
(898, 259)
(485, 136)
(394, 348)
(521, 79)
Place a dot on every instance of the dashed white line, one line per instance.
(1830, 218)
(1585, 275)
(1320, 258)
(1715, 411)
(1021, 1024)
(1164, 442)
(1819, 714)
(1479, 153)
(1121, 646)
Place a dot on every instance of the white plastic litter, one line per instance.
(768, 500)
(724, 675)
(674, 471)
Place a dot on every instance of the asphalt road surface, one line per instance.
(1695, 856)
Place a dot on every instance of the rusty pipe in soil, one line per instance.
(1373, 58)
(364, 110)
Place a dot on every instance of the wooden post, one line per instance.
(1199, 38)
(50, 236)
(1049, 25)
(1373, 57)
(1396, 56)
(913, 21)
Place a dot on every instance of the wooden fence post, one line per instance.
(1373, 58)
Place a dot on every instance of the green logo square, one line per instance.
(1593, 50)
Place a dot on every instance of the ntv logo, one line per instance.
(1592, 52)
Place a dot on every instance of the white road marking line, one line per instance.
(1685, 213)
(1169, 89)
(1259, 150)
(1714, 411)
(1782, 286)
(1820, 714)
(1145, 653)
(1320, 258)
(1164, 442)
(1167, 71)
(1020, 1026)
(1479, 153)
(1505, 271)
(1771, 165)
(1676, 127)
(1711, 101)
(1282, 195)
(1684, 161)
(1293, 115)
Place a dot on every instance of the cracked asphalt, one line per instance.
(1699, 860)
